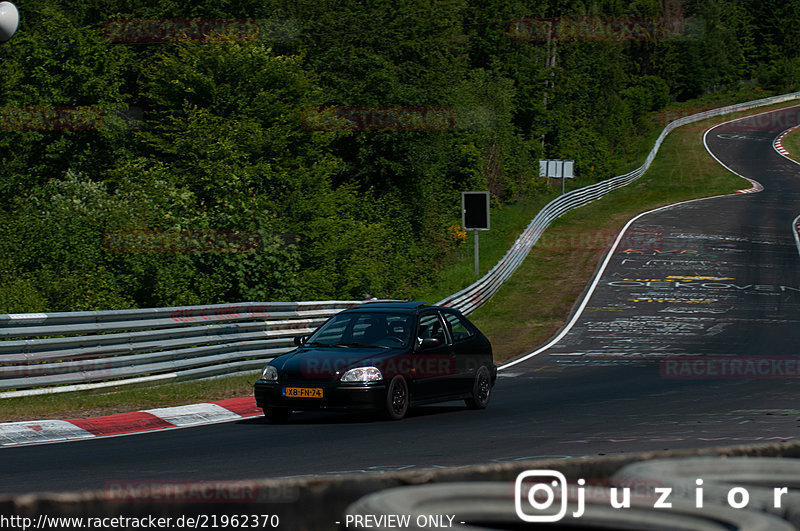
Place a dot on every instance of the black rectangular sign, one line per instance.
(475, 210)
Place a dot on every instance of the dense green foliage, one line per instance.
(149, 171)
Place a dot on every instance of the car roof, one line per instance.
(389, 305)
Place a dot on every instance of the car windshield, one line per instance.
(365, 329)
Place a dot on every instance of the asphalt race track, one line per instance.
(689, 338)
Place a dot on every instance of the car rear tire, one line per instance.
(277, 415)
(397, 398)
(481, 389)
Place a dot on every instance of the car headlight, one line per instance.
(362, 374)
(270, 373)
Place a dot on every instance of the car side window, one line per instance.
(399, 327)
(458, 326)
(430, 326)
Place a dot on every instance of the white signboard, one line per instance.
(567, 171)
(557, 168)
(554, 168)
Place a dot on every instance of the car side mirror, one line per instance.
(429, 342)
(299, 341)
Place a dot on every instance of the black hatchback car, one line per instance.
(381, 356)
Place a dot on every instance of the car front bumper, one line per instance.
(335, 396)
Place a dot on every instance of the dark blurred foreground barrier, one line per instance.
(482, 496)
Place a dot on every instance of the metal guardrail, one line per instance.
(66, 351)
(483, 289)
(44, 353)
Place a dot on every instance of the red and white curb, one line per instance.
(778, 142)
(753, 190)
(48, 431)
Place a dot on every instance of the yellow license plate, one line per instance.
(302, 392)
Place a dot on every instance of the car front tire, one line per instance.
(397, 398)
(277, 415)
(481, 389)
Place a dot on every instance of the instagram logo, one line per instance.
(537, 489)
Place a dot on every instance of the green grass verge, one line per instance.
(507, 222)
(115, 400)
(792, 143)
(533, 304)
